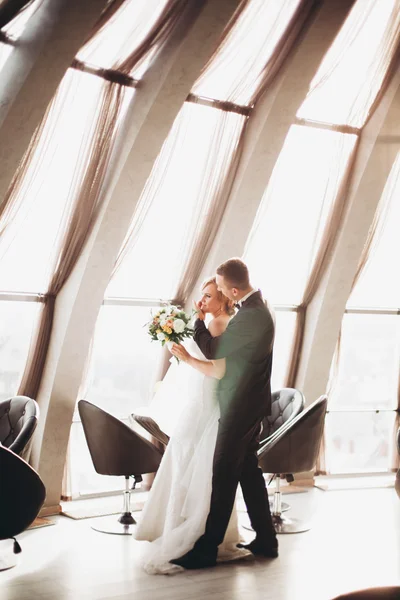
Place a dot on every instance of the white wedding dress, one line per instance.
(176, 510)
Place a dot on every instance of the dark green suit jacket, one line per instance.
(246, 344)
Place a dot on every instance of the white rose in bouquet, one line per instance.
(161, 336)
(179, 326)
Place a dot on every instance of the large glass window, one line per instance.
(287, 231)
(122, 362)
(45, 198)
(289, 224)
(359, 442)
(356, 64)
(17, 318)
(236, 71)
(175, 195)
(189, 173)
(366, 373)
(124, 32)
(120, 378)
(295, 218)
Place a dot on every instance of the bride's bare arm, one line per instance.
(214, 368)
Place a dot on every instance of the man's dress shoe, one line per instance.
(261, 549)
(195, 560)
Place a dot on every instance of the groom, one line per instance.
(244, 396)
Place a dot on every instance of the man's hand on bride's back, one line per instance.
(197, 308)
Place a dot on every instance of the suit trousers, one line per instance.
(235, 461)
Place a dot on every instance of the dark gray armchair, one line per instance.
(293, 448)
(286, 404)
(18, 420)
(117, 450)
(22, 494)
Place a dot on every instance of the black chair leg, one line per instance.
(8, 559)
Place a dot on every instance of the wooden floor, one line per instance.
(354, 543)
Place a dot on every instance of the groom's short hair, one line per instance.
(235, 273)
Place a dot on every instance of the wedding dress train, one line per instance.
(176, 510)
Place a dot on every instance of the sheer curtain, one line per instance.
(239, 76)
(283, 245)
(177, 198)
(198, 176)
(140, 29)
(84, 211)
(296, 221)
(86, 196)
(180, 209)
(323, 246)
(361, 88)
(232, 81)
(240, 70)
(359, 63)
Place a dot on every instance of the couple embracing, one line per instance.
(212, 404)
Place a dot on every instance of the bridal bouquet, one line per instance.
(169, 325)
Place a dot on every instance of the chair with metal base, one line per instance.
(117, 450)
(293, 448)
(286, 404)
(22, 494)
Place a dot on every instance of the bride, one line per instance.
(185, 408)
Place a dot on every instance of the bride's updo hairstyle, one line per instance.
(227, 305)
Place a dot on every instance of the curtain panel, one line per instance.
(321, 259)
(356, 110)
(88, 201)
(258, 81)
(374, 74)
(244, 86)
